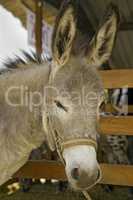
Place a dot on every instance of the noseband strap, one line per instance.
(79, 141)
(62, 145)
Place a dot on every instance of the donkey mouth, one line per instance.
(86, 183)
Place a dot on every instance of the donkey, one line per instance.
(63, 98)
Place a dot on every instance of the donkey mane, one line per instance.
(26, 60)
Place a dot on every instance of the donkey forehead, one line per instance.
(76, 76)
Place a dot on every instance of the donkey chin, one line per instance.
(82, 168)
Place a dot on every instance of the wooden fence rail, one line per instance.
(110, 109)
(111, 174)
(116, 125)
(117, 78)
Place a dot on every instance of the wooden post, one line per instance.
(38, 26)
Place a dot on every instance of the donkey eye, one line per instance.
(59, 105)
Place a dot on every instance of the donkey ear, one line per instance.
(64, 33)
(102, 44)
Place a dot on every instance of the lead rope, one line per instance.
(86, 195)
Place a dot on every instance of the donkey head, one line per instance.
(74, 95)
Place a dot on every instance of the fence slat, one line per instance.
(117, 174)
(117, 78)
(109, 108)
(120, 125)
(42, 169)
(112, 174)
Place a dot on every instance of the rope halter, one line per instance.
(61, 145)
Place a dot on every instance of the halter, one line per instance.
(79, 141)
(62, 145)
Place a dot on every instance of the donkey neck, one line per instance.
(33, 77)
(21, 120)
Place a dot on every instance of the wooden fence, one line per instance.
(111, 125)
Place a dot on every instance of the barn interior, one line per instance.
(89, 15)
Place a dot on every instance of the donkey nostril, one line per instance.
(75, 173)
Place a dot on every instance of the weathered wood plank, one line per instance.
(49, 12)
(112, 174)
(117, 78)
(119, 125)
(38, 27)
(42, 169)
(117, 174)
(16, 8)
(109, 108)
